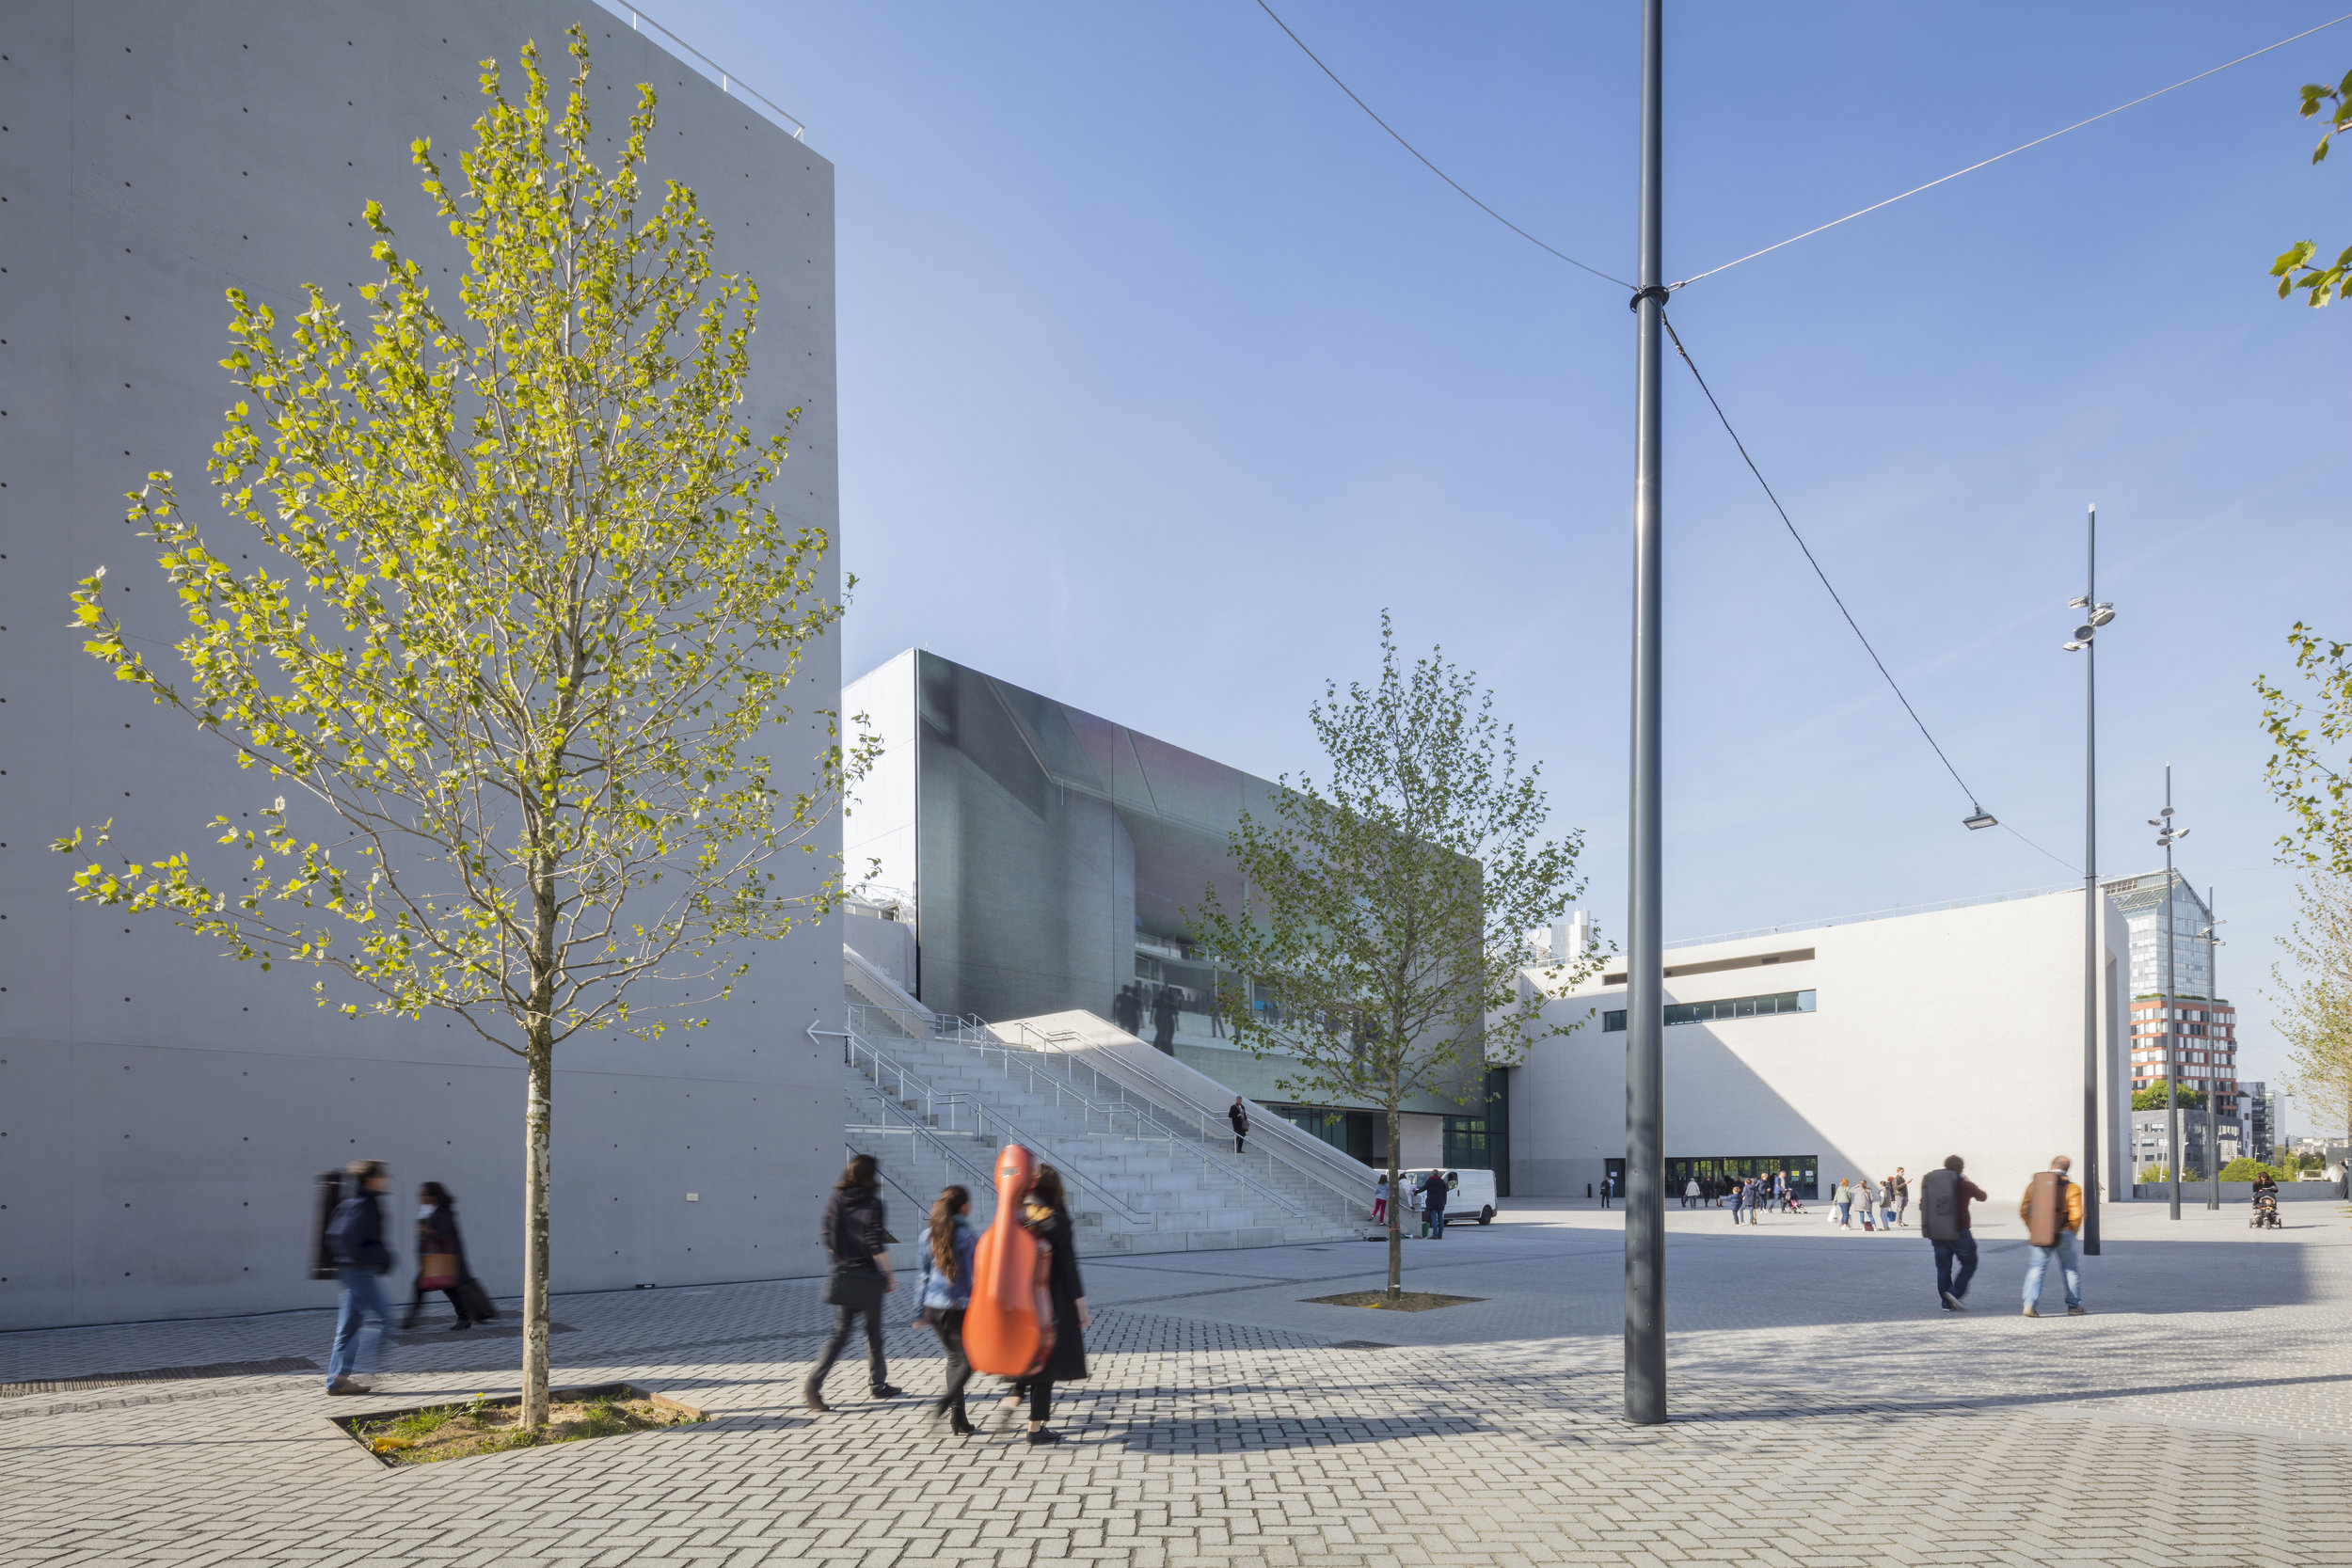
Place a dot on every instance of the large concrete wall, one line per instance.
(161, 1108)
(1951, 1032)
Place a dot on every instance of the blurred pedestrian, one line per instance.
(944, 1287)
(1433, 1205)
(855, 1236)
(355, 1239)
(1239, 1116)
(441, 1257)
(1902, 1197)
(1886, 1204)
(1844, 1204)
(2053, 1212)
(1690, 1191)
(1380, 1199)
(1944, 1198)
(1047, 1214)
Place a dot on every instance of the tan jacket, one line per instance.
(2074, 1220)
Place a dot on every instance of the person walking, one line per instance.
(1164, 1008)
(943, 1287)
(441, 1257)
(1239, 1116)
(1944, 1198)
(1433, 1205)
(854, 1234)
(1380, 1199)
(1902, 1197)
(1886, 1204)
(1047, 1214)
(1843, 1197)
(355, 1239)
(2053, 1212)
(1690, 1191)
(1608, 1186)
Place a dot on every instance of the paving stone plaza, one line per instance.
(1826, 1412)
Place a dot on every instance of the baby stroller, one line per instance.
(2265, 1212)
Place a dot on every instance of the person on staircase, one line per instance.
(1239, 1116)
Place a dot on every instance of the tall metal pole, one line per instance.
(2092, 1180)
(2213, 1085)
(2171, 1020)
(1645, 983)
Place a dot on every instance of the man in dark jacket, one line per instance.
(1944, 1198)
(1433, 1205)
(355, 1237)
(1239, 1116)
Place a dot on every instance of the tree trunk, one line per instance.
(1396, 1206)
(538, 1120)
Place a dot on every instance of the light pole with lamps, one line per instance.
(2095, 615)
(2213, 1085)
(2167, 835)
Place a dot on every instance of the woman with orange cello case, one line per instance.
(1028, 1307)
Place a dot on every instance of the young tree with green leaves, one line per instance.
(2312, 776)
(532, 624)
(2156, 1097)
(1386, 904)
(2295, 269)
(2313, 990)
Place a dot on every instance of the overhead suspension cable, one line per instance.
(1426, 163)
(2010, 154)
(1834, 597)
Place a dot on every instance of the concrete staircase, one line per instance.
(935, 1098)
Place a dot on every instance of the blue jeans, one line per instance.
(1946, 1282)
(1436, 1225)
(2069, 1262)
(363, 1297)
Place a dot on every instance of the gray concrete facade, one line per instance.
(162, 1109)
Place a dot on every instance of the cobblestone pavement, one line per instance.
(1826, 1412)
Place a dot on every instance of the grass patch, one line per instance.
(1407, 1301)
(486, 1425)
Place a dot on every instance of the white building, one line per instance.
(1847, 1047)
(163, 1111)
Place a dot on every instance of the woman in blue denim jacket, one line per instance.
(945, 1282)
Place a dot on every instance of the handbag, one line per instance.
(476, 1300)
(857, 1288)
(438, 1271)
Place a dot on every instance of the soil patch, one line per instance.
(433, 1432)
(1408, 1301)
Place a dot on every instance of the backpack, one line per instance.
(1939, 1205)
(339, 1244)
(326, 1198)
(2046, 1208)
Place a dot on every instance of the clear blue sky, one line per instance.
(1163, 371)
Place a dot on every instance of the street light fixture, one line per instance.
(1978, 818)
(2100, 615)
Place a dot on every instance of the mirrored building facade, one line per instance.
(1048, 857)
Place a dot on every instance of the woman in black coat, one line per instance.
(859, 1242)
(440, 1250)
(1048, 1215)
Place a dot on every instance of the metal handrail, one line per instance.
(974, 1036)
(639, 21)
(1209, 1129)
(1009, 1129)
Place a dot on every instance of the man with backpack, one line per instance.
(355, 1241)
(2053, 1212)
(1944, 1198)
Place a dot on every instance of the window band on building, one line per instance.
(1732, 1006)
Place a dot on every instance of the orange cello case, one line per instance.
(1001, 1333)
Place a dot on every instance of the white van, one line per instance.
(1469, 1195)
